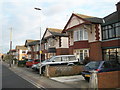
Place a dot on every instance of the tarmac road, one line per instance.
(12, 80)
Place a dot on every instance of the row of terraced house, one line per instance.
(83, 36)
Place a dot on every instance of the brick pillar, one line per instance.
(70, 50)
(95, 51)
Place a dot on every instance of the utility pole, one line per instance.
(11, 38)
(10, 46)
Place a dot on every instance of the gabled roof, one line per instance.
(82, 16)
(87, 19)
(90, 18)
(53, 32)
(30, 42)
(34, 43)
(21, 47)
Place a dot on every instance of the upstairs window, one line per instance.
(80, 35)
(111, 31)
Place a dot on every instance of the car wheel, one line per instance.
(43, 70)
(87, 79)
(27, 66)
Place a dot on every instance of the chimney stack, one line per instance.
(118, 10)
(118, 6)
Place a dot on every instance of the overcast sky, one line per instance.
(26, 21)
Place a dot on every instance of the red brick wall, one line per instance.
(111, 43)
(95, 51)
(62, 51)
(44, 51)
(80, 44)
(109, 79)
(70, 50)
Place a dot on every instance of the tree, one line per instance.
(9, 58)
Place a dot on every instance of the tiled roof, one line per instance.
(58, 34)
(111, 18)
(54, 30)
(30, 40)
(21, 47)
(90, 18)
(34, 42)
(83, 16)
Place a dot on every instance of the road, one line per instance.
(42, 82)
(11, 80)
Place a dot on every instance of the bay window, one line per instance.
(80, 35)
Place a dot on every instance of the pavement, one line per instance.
(33, 77)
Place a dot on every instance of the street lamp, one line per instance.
(40, 45)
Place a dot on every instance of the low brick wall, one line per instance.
(109, 79)
(62, 70)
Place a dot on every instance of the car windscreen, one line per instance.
(92, 65)
(30, 60)
(47, 60)
(37, 60)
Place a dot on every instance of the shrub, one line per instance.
(86, 60)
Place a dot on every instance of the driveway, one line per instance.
(77, 81)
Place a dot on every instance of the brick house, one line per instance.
(54, 42)
(100, 38)
(33, 48)
(111, 35)
(21, 52)
(84, 36)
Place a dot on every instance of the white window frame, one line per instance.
(81, 34)
(77, 53)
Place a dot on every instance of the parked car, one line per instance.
(100, 66)
(59, 60)
(34, 66)
(22, 62)
(29, 63)
(36, 61)
(37, 66)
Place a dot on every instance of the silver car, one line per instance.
(58, 60)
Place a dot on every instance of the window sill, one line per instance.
(110, 39)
